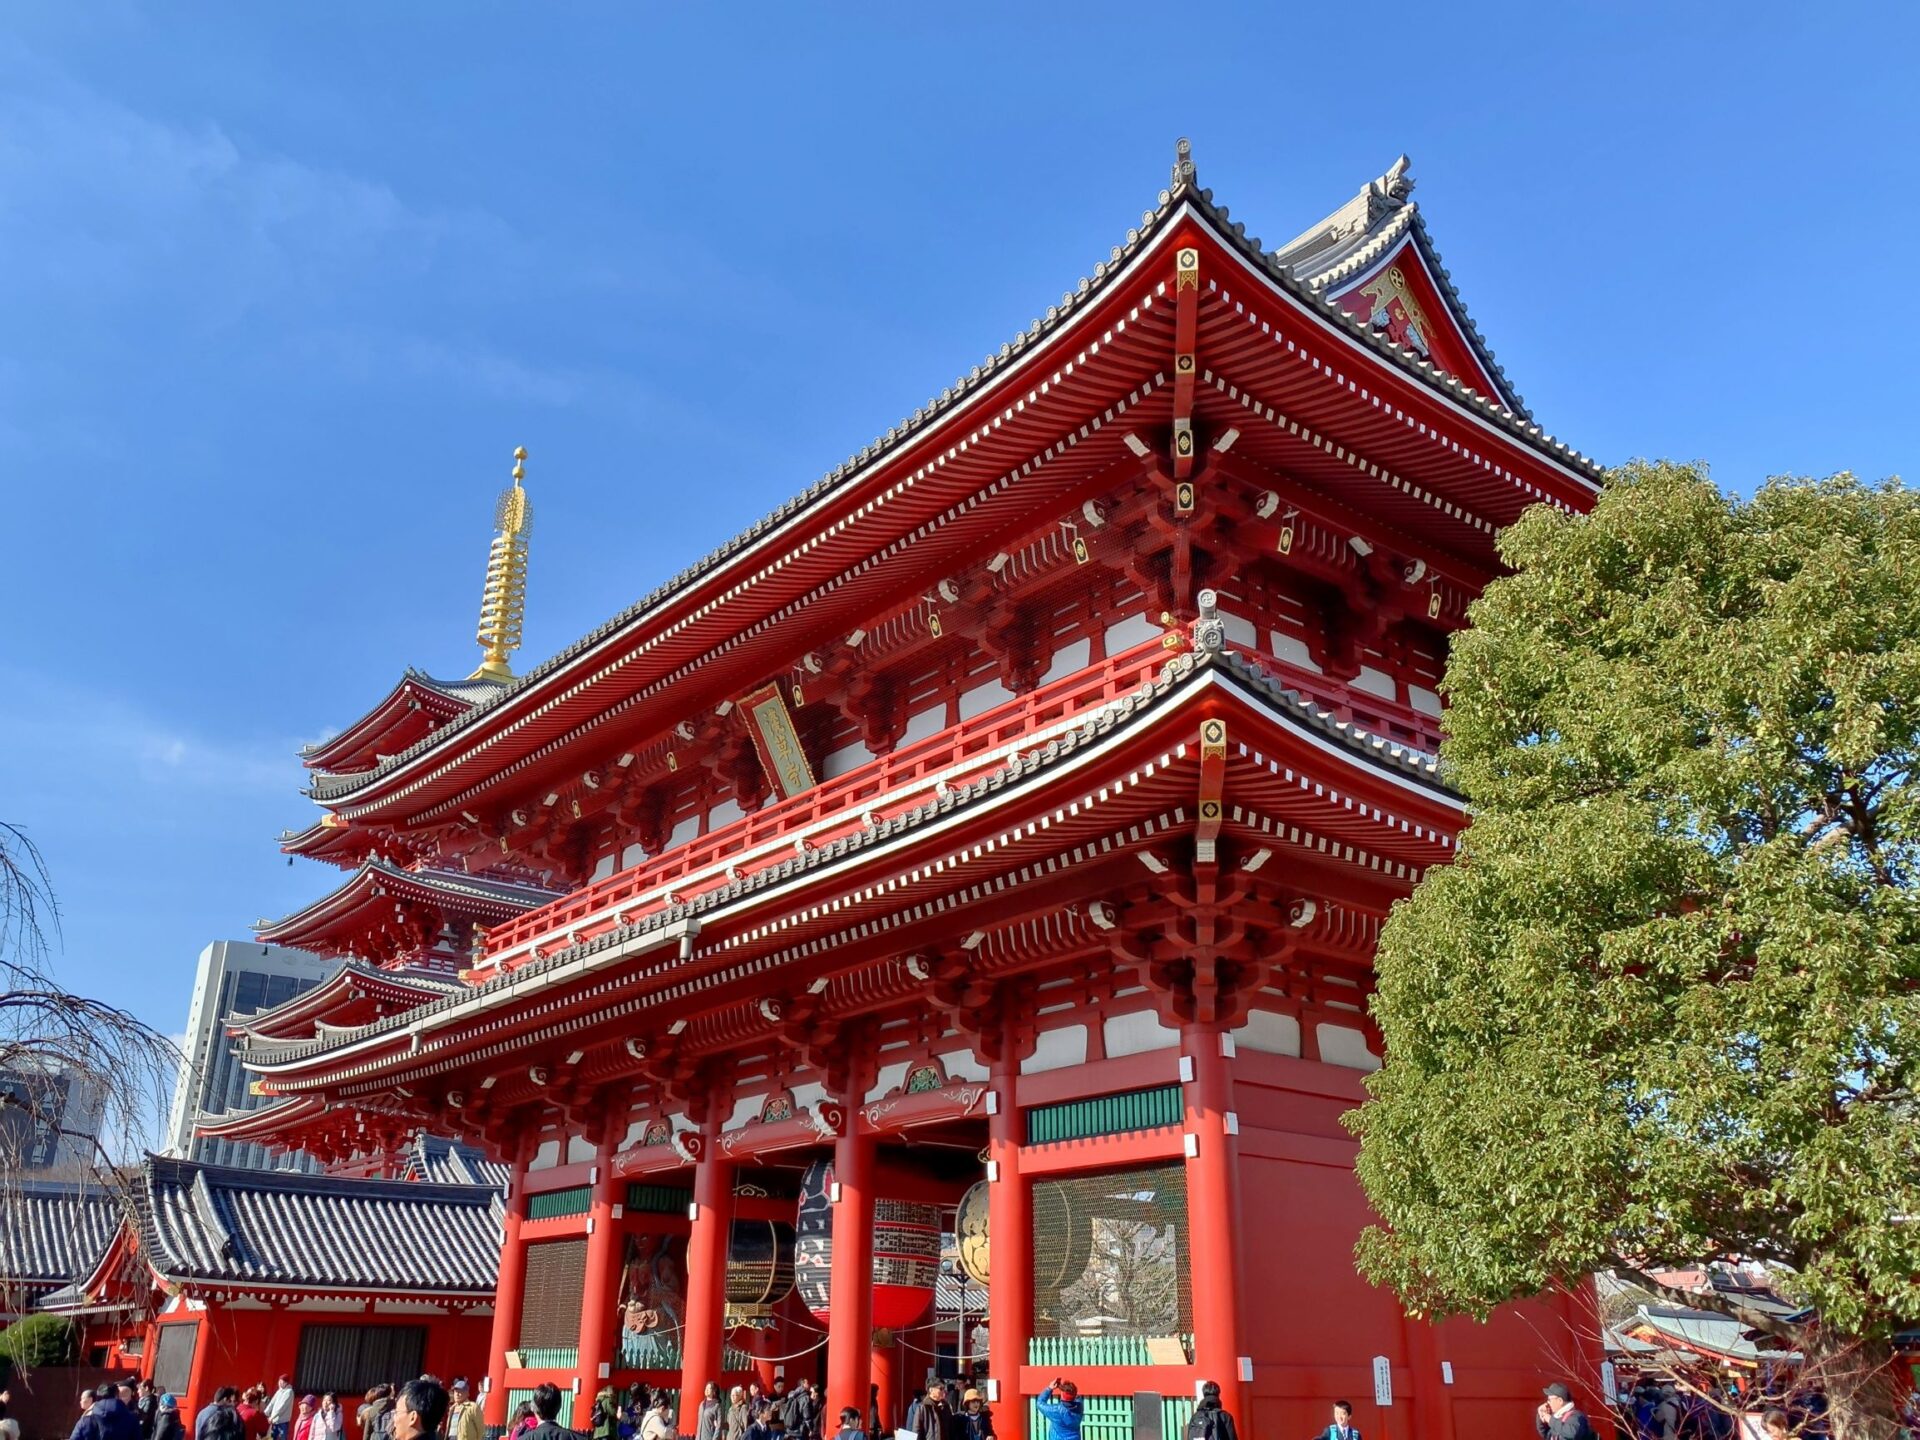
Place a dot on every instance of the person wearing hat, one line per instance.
(975, 1416)
(167, 1424)
(464, 1421)
(1558, 1418)
(1060, 1406)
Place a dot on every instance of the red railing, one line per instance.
(899, 780)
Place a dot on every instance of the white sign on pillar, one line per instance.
(1382, 1381)
(1609, 1386)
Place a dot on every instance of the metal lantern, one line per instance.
(759, 1272)
(906, 1253)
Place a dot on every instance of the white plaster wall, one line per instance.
(635, 1133)
(964, 1065)
(1056, 1050)
(632, 856)
(1132, 631)
(809, 1096)
(1239, 631)
(1425, 701)
(683, 832)
(928, 722)
(1344, 1045)
(1269, 1032)
(744, 1109)
(725, 813)
(1136, 1034)
(603, 867)
(547, 1156)
(1376, 682)
(890, 1076)
(1068, 659)
(846, 758)
(982, 698)
(579, 1149)
(1293, 650)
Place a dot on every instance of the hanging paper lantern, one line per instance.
(759, 1272)
(906, 1252)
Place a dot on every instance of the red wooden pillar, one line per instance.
(850, 1301)
(887, 1374)
(600, 1295)
(1213, 1218)
(703, 1347)
(1010, 1253)
(507, 1292)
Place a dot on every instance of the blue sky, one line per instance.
(285, 285)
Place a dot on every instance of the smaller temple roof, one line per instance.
(1336, 251)
(355, 986)
(1412, 769)
(261, 1229)
(332, 923)
(444, 1162)
(52, 1233)
(415, 707)
(1701, 1332)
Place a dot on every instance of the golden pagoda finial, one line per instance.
(503, 604)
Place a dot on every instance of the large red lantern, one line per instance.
(906, 1253)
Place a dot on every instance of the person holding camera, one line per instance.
(1061, 1407)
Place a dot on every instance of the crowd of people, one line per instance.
(421, 1409)
(424, 1409)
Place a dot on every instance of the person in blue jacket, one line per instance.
(1061, 1408)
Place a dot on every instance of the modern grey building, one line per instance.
(50, 1118)
(236, 977)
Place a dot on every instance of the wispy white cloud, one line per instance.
(69, 731)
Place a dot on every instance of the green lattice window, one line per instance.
(1105, 1115)
(552, 1204)
(644, 1199)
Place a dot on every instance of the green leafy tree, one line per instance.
(1662, 1009)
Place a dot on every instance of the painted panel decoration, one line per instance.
(653, 1300)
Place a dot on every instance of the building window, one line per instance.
(1110, 1260)
(173, 1357)
(351, 1359)
(550, 1304)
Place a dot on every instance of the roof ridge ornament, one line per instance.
(503, 603)
(1183, 171)
(1390, 191)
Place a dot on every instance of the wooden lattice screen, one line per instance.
(550, 1305)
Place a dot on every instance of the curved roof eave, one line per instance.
(1183, 197)
(1409, 769)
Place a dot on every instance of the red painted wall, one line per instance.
(1303, 1300)
(255, 1347)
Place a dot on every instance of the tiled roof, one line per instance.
(1360, 232)
(453, 885)
(53, 1232)
(1387, 755)
(1184, 189)
(210, 1224)
(443, 1162)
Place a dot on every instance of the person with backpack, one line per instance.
(1342, 1427)
(1210, 1420)
(221, 1420)
(1060, 1406)
(850, 1428)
